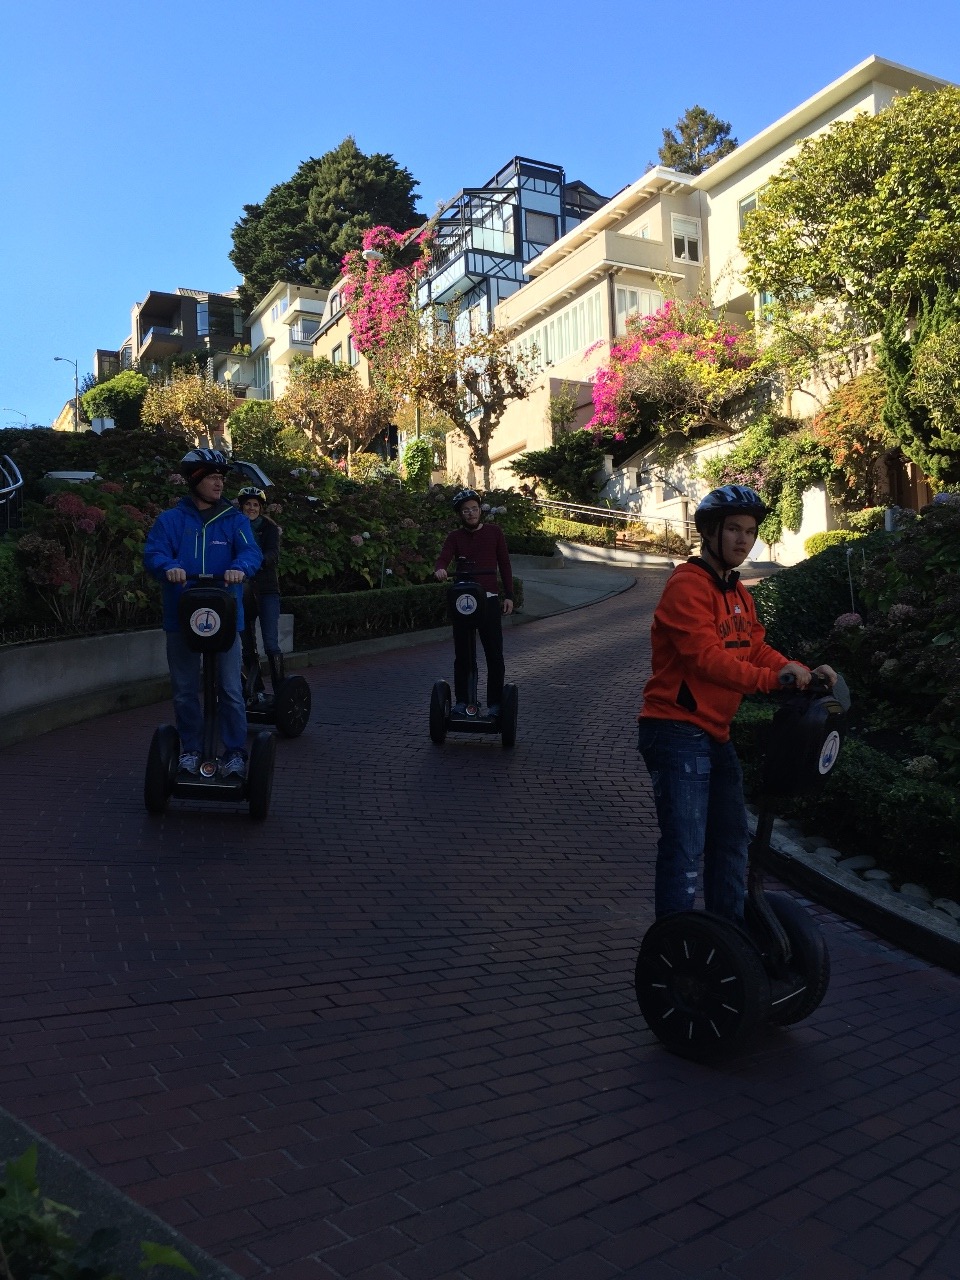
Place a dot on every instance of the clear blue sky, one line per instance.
(133, 134)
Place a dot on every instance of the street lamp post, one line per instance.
(76, 391)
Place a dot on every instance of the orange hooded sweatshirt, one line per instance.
(708, 651)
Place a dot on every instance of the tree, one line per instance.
(699, 141)
(304, 226)
(328, 403)
(120, 398)
(923, 398)
(866, 213)
(852, 429)
(433, 355)
(571, 468)
(191, 404)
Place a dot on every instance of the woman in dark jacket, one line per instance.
(262, 592)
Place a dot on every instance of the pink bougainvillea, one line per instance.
(683, 349)
(377, 292)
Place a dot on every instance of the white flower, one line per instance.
(366, 537)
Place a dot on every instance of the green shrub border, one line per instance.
(323, 620)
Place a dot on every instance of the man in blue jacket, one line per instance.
(203, 533)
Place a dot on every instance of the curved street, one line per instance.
(390, 1034)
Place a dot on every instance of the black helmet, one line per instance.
(203, 462)
(730, 500)
(251, 491)
(462, 496)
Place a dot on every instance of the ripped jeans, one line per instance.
(698, 791)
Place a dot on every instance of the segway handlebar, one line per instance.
(818, 687)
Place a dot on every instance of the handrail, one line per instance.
(11, 494)
(685, 528)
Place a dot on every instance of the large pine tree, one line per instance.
(305, 225)
(698, 141)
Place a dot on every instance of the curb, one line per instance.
(881, 911)
(67, 1181)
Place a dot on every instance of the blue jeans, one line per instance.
(698, 792)
(184, 667)
(267, 609)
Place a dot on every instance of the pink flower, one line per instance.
(356, 539)
(848, 620)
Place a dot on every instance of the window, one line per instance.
(686, 238)
(304, 331)
(569, 333)
(261, 376)
(275, 313)
(635, 302)
(334, 303)
(352, 354)
(283, 305)
(336, 355)
(541, 227)
(746, 206)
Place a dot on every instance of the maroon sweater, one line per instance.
(485, 549)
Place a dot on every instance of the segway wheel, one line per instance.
(809, 970)
(508, 715)
(260, 774)
(701, 984)
(439, 712)
(291, 706)
(162, 762)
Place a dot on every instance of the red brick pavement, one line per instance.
(391, 1033)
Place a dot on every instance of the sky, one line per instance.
(132, 135)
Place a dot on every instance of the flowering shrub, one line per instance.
(378, 292)
(848, 620)
(679, 369)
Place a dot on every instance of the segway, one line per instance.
(704, 983)
(208, 620)
(465, 602)
(288, 707)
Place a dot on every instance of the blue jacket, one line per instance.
(181, 539)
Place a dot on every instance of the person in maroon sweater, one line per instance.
(483, 550)
(708, 651)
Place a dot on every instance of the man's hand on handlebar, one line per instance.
(176, 575)
(233, 575)
(440, 575)
(794, 674)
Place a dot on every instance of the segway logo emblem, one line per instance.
(829, 752)
(466, 605)
(204, 622)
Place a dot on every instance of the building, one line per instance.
(666, 232)
(171, 324)
(283, 324)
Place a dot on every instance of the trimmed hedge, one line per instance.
(594, 535)
(818, 542)
(322, 620)
(798, 606)
(909, 825)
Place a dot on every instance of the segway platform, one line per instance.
(465, 601)
(704, 983)
(208, 620)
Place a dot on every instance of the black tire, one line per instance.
(439, 712)
(809, 966)
(163, 759)
(509, 706)
(291, 706)
(700, 984)
(263, 751)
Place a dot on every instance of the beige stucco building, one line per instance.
(665, 234)
(282, 325)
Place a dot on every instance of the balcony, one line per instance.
(160, 341)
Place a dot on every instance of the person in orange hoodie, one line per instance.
(708, 651)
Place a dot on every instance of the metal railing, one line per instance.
(619, 519)
(11, 494)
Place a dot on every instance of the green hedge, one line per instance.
(909, 825)
(798, 606)
(594, 535)
(11, 583)
(818, 542)
(322, 620)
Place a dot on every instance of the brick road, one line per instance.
(391, 1033)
